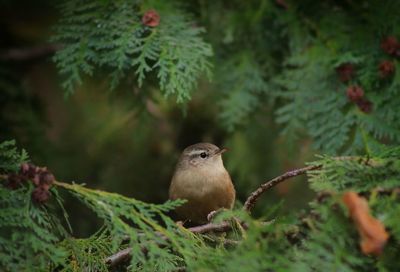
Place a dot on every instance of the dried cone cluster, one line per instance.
(356, 94)
(391, 46)
(151, 18)
(386, 68)
(345, 72)
(39, 176)
(364, 105)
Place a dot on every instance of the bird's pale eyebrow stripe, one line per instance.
(196, 152)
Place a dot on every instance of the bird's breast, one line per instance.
(205, 190)
(199, 182)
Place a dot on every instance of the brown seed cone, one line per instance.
(24, 168)
(40, 195)
(390, 45)
(355, 93)
(46, 178)
(28, 170)
(364, 105)
(36, 180)
(345, 71)
(386, 68)
(151, 18)
(14, 181)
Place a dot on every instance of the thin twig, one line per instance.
(26, 54)
(125, 254)
(254, 196)
(119, 257)
(211, 227)
(122, 256)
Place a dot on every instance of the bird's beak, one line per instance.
(222, 150)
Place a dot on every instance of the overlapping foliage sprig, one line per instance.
(35, 238)
(109, 36)
(267, 53)
(297, 49)
(317, 101)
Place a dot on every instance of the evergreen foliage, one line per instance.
(328, 69)
(243, 84)
(318, 44)
(324, 238)
(29, 233)
(10, 158)
(346, 173)
(330, 243)
(129, 217)
(110, 35)
(287, 56)
(87, 254)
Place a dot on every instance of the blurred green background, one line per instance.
(125, 141)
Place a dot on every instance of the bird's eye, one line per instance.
(203, 155)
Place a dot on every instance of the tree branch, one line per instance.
(124, 255)
(26, 54)
(254, 196)
(119, 257)
(211, 227)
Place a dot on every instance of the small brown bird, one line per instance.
(201, 178)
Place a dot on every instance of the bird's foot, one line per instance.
(181, 223)
(212, 214)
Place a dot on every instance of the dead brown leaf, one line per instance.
(372, 231)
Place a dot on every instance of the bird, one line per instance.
(201, 178)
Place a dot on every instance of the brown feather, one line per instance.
(206, 187)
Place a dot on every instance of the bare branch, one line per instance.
(125, 254)
(254, 196)
(211, 227)
(119, 257)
